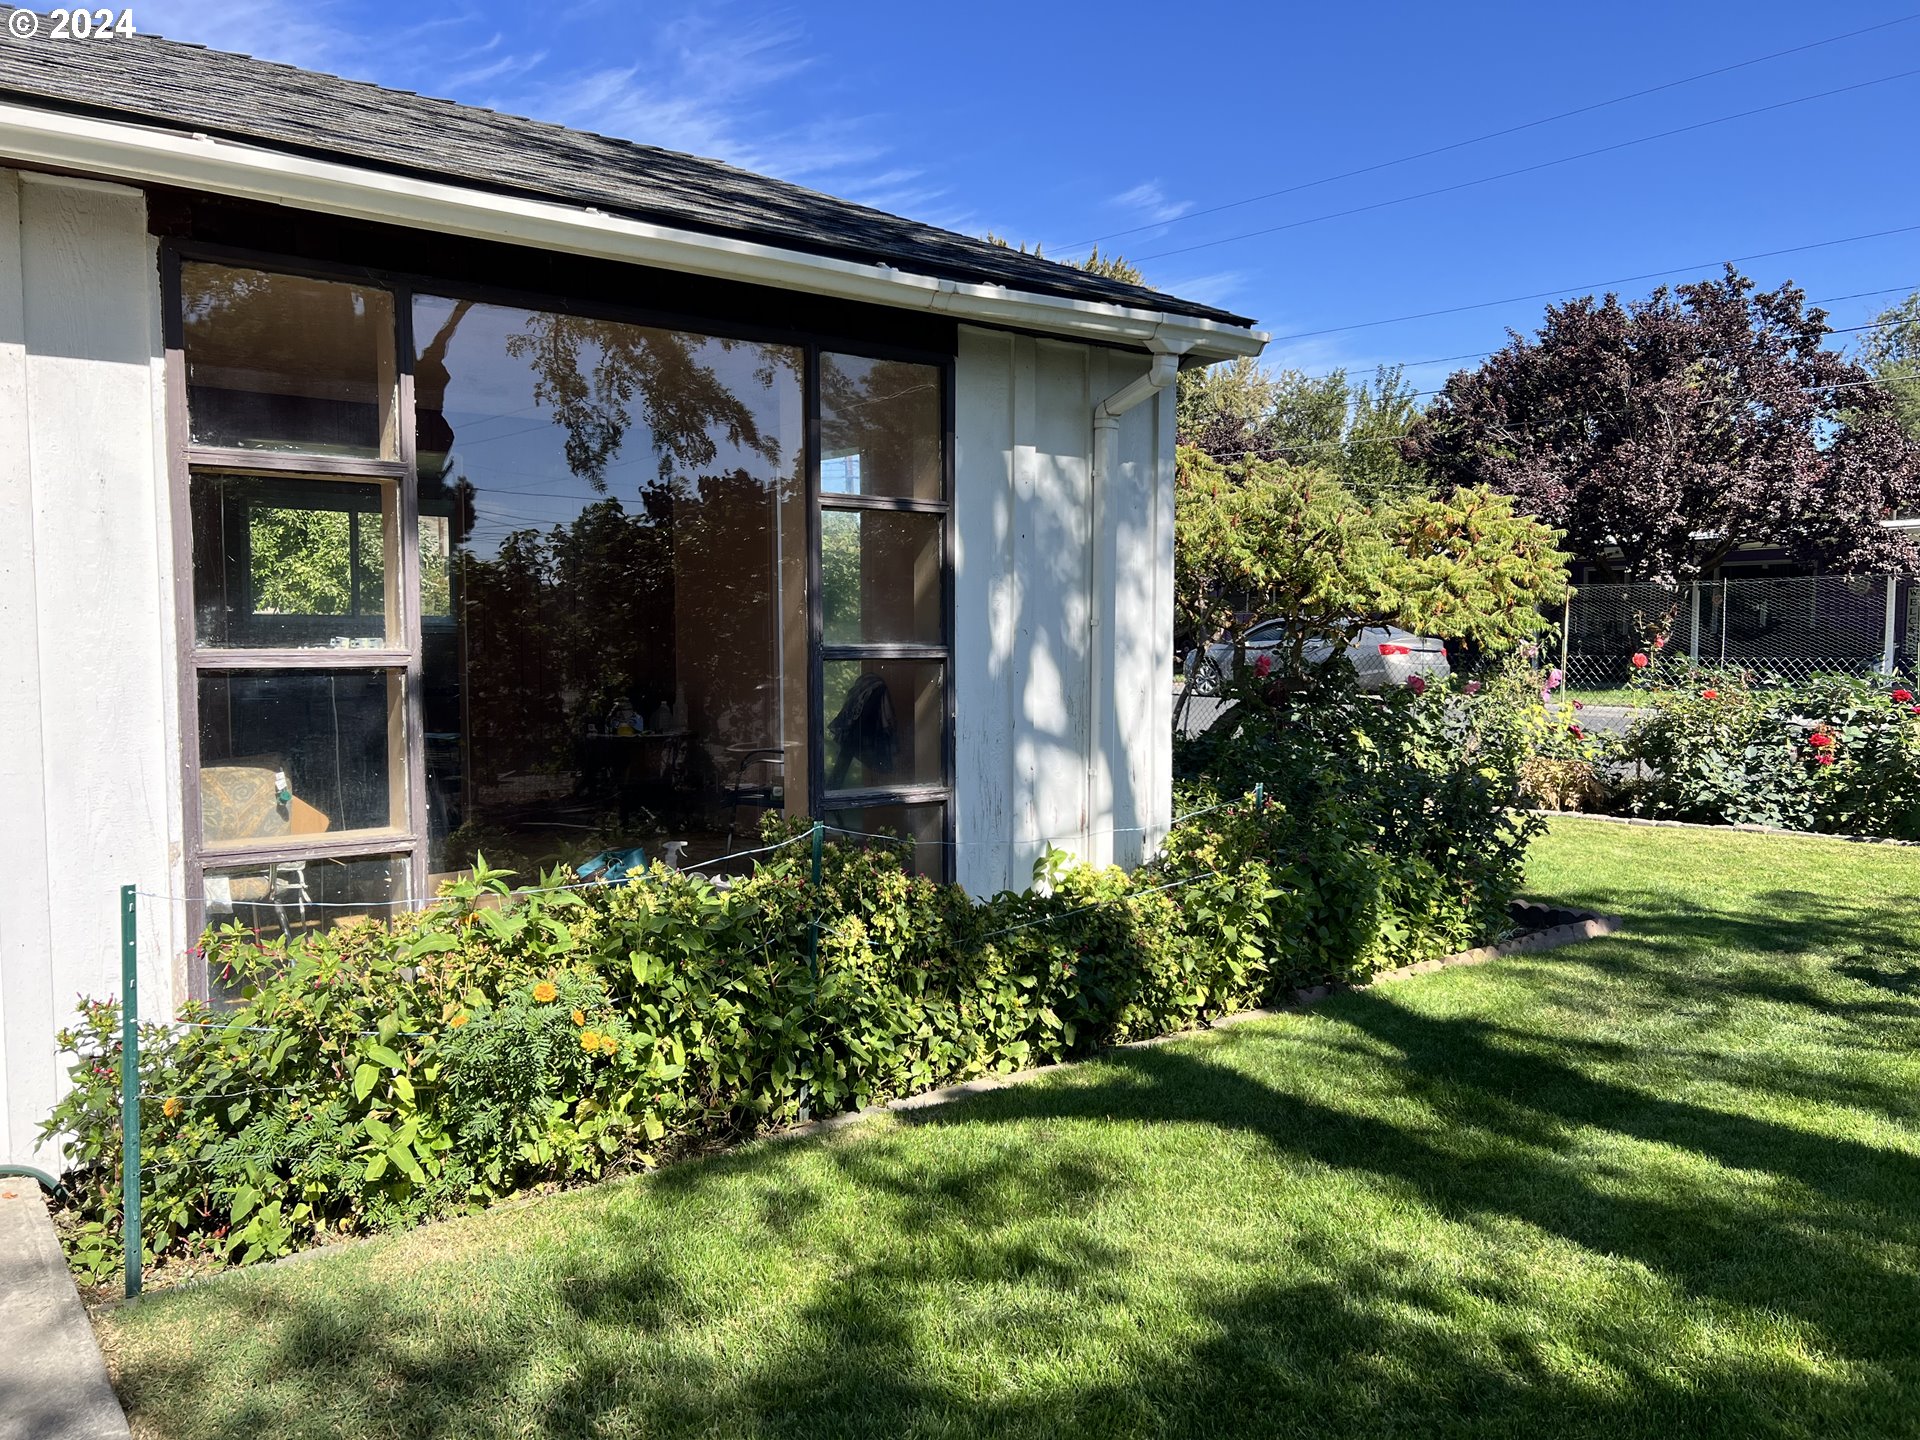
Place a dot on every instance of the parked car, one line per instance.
(1384, 655)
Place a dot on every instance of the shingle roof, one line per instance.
(169, 83)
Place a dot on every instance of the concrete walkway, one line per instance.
(53, 1383)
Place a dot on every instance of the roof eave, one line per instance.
(150, 154)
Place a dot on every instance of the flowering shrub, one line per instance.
(1390, 814)
(377, 1075)
(1837, 754)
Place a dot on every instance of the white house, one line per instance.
(384, 481)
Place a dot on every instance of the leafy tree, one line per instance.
(1114, 267)
(1662, 433)
(1295, 544)
(1348, 428)
(1891, 354)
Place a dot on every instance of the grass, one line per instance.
(1664, 1184)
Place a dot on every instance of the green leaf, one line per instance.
(376, 1167)
(364, 1079)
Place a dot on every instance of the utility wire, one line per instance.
(1526, 169)
(1492, 134)
(1600, 284)
(1483, 354)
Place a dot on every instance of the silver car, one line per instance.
(1384, 655)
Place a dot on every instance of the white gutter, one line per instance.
(1162, 372)
(143, 153)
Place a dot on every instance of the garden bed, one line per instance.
(1655, 1186)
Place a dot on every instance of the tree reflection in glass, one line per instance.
(624, 657)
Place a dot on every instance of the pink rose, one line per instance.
(1472, 687)
(1263, 666)
(1417, 684)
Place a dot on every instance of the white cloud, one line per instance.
(1151, 200)
(1216, 288)
(706, 79)
(294, 33)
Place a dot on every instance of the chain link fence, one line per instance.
(1776, 628)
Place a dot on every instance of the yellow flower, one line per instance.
(578, 1018)
(457, 1021)
(610, 1044)
(171, 1106)
(589, 1040)
(545, 993)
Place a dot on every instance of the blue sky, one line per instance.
(1061, 123)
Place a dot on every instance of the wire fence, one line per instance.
(1778, 629)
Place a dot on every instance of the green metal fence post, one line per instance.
(130, 1088)
(1259, 796)
(813, 927)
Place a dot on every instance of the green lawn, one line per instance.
(1662, 1184)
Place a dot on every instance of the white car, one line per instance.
(1384, 655)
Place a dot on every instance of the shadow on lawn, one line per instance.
(1823, 1239)
(1810, 1233)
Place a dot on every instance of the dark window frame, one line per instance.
(407, 843)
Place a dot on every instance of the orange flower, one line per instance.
(578, 1018)
(457, 1021)
(545, 992)
(589, 1040)
(610, 1044)
(170, 1106)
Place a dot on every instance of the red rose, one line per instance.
(1578, 705)
(1576, 732)
(1709, 694)
(1417, 684)
(1904, 696)
(1824, 758)
(1820, 740)
(1640, 661)
(1264, 665)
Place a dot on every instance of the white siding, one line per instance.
(1032, 638)
(89, 772)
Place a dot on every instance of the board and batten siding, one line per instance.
(89, 743)
(1062, 636)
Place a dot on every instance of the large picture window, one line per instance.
(473, 578)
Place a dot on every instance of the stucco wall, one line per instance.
(89, 781)
(1063, 693)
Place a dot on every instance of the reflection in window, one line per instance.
(885, 720)
(280, 362)
(880, 428)
(916, 833)
(290, 563)
(621, 657)
(296, 897)
(292, 753)
(880, 578)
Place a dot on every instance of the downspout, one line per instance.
(1161, 372)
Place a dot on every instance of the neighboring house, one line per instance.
(387, 481)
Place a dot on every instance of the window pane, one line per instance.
(279, 362)
(620, 657)
(923, 825)
(880, 428)
(287, 753)
(290, 563)
(880, 578)
(295, 897)
(885, 720)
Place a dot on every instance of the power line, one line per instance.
(1484, 354)
(1525, 169)
(1492, 134)
(1598, 284)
